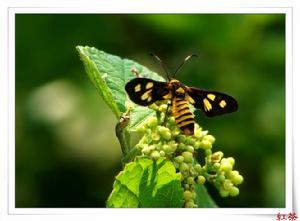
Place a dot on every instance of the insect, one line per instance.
(144, 91)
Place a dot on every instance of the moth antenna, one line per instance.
(161, 64)
(185, 60)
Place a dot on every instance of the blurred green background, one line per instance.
(66, 152)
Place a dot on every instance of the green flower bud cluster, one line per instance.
(163, 138)
(220, 171)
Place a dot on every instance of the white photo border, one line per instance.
(9, 68)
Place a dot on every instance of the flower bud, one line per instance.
(146, 150)
(224, 193)
(164, 132)
(216, 166)
(216, 157)
(179, 159)
(183, 167)
(226, 166)
(220, 178)
(167, 148)
(155, 136)
(238, 179)
(208, 152)
(234, 191)
(141, 129)
(153, 106)
(155, 155)
(227, 184)
(190, 180)
(231, 160)
(181, 138)
(209, 138)
(201, 179)
(162, 153)
(187, 195)
(188, 157)
(190, 141)
(198, 168)
(189, 204)
(205, 144)
(172, 121)
(163, 108)
(189, 149)
(152, 122)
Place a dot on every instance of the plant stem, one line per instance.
(123, 134)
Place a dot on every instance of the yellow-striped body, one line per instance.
(183, 115)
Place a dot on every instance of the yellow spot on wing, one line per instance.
(191, 100)
(211, 96)
(146, 95)
(137, 88)
(167, 96)
(180, 90)
(207, 105)
(222, 103)
(149, 85)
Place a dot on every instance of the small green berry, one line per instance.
(187, 195)
(208, 152)
(205, 144)
(224, 193)
(190, 141)
(197, 134)
(189, 149)
(163, 108)
(188, 157)
(201, 179)
(181, 138)
(183, 167)
(179, 159)
(238, 179)
(155, 155)
(209, 138)
(220, 178)
(226, 166)
(190, 180)
(231, 160)
(153, 106)
(216, 166)
(234, 191)
(155, 136)
(189, 204)
(146, 150)
(172, 121)
(198, 168)
(167, 148)
(141, 129)
(227, 184)
(164, 132)
(152, 122)
(162, 153)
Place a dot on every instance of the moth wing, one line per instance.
(212, 103)
(144, 91)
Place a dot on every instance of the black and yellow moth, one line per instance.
(144, 92)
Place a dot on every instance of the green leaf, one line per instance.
(203, 199)
(109, 74)
(147, 183)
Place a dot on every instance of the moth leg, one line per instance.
(167, 110)
(134, 70)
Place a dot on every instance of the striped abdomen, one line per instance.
(183, 115)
